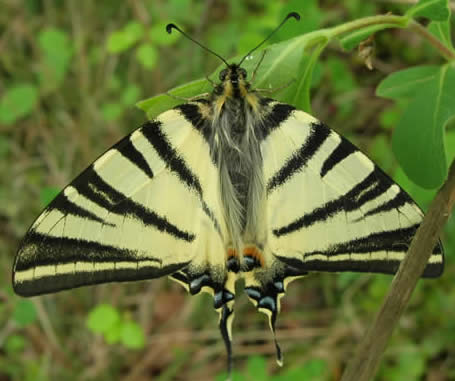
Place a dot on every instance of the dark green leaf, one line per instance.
(408, 82)
(436, 10)
(418, 141)
(131, 95)
(17, 102)
(441, 29)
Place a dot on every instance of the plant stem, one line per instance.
(448, 54)
(364, 364)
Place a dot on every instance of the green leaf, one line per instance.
(302, 94)
(102, 318)
(57, 51)
(353, 39)
(24, 312)
(132, 335)
(418, 141)
(257, 368)
(17, 102)
(123, 39)
(112, 111)
(315, 369)
(280, 65)
(408, 82)
(436, 10)
(130, 95)
(147, 55)
(160, 36)
(160, 103)
(15, 344)
(441, 29)
(47, 194)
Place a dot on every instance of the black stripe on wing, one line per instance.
(41, 250)
(391, 241)
(318, 134)
(341, 152)
(375, 184)
(65, 206)
(94, 188)
(126, 148)
(272, 119)
(192, 113)
(155, 136)
(152, 131)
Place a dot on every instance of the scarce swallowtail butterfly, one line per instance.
(227, 186)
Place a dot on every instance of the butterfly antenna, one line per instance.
(292, 14)
(169, 28)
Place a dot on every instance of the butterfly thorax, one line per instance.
(237, 154)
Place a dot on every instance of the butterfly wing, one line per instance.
(330, 208)
(136, 213)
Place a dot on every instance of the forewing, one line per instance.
(330, 208)
(146, 208)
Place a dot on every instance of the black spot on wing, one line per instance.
(319, 133)
(126, 148)
(342, 151)
(152, 131)
(93, 187)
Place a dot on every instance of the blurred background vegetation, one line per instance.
(70, 75)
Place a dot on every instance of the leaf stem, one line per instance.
(448, 54)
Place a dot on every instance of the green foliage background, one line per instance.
(70, 75)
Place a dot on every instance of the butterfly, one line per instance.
(229, 186)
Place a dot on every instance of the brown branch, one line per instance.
(364, 364)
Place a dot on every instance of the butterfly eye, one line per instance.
(223, 74)
(243, 73)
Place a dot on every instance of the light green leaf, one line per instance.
(132, 335)
(353, 39)
(24, 312)
(160, 103)
(408, 82)
(160, 36)
(147, 55)
(102, 318)
(112, 111)
(257, 368)
(280, 65)
(418, 141)
(57, 51)
(17, 102)
(123, 39)
(436, 10)
(15, 344)
(305, 78)
(130, 95)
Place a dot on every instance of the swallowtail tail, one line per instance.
(229, 186)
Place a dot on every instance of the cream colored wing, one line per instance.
(330, 208)
(138, 212)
